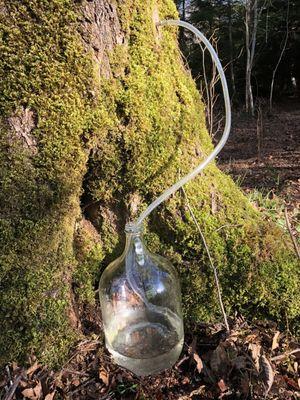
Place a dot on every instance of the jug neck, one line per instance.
(133, 232)
(133, 229)
(134, 237)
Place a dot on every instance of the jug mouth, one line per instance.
(131, 227)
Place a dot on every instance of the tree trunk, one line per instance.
(248, 56)
(183, 10)
(250, 36)
(280, 57)
(231, 65)
(98, 116)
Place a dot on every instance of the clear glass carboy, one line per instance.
(141, 308)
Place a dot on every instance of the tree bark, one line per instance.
(98, 116)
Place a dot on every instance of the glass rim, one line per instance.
(131, 227)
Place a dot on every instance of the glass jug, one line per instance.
(141, 308)
(140, 292)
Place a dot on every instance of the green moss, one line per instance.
(89, 252)
(43, 68)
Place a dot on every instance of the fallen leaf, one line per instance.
(31, 370)
(14, 366)
(113, 382)
(76, 382)
(28, 393)
(233, 337)
(38, 390)
(33, 393)
(103, 375)
(296, 365)
(252, 338)
(50, 396)
(267, 373)
(199, 362)
(255, 350)
(275, 343)
(198, 391)
(222, 386)
(214, 206)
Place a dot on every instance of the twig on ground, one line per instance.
(210, 260)
(9, 395)
(288, 224)
(81, 386)
(79, 350)
(8, 375)
(72, 372)
(285, 355)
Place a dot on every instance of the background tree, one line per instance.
(265, 40)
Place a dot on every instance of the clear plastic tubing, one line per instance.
(167, 193)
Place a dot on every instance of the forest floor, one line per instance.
(264, 154)
(254, 361)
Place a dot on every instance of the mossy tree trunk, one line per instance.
(98, 116)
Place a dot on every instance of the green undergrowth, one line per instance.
(273, 208)
(114, 145)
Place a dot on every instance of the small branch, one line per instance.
(281, 55)
(72, 372)
(285, 355)
(288, 224)
(259, 128)
(210, 260)
(10, 394)
(81, 386)
(206, 86)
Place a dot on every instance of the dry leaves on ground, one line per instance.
(251, 361)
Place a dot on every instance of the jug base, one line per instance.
(148, 366)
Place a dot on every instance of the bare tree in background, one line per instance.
(211, 78)
(253, 12)
(280, 56)
(183, 10)
(251, 20)
(231, 66)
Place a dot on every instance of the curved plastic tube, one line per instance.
(226, 131)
